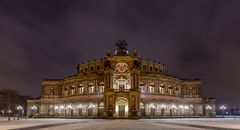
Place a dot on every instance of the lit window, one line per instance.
(101, 89)
(161, 89)
(176, 91)
(72, 90)
(170, 90)
(65, 91)
(142, 89)
(91, 89)
(52, 91)
(151, 89)
(80, 89)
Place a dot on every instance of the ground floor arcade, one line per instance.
(96, 109)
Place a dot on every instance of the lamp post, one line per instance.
(70, 109)
(33, 108)
(61, 108)
(163, 106)
(79, 108)
(173, 107)
(222, 108)
(208, 109)
(9, 112)
(19, 108)
(56, 110)
(181, 107)
(186, 108)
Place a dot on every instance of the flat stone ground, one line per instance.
(121, 124)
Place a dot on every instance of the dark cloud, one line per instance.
(195, 39)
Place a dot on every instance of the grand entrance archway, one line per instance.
(121, 108)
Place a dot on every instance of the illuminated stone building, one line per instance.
(121, 85)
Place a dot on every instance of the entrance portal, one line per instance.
(121, 109)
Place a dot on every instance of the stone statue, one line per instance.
(121, 49)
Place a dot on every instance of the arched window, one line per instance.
(72, 91)
(151, 87)
(91, 88)
(177, 92)
(170, 88)
(141, 87)
(80, 89)
(101, 87)
(65, 91)
(161, 89)
(122, 84)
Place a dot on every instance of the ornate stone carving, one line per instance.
(121, 49)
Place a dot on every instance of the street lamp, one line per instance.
(163, 106)
(91, 105)
(9, 112)
(208, 109)
(80, 106)
(70, 109)
(61, 108)
(182, 109)
(173, 107)
(56, 109)
(19, 108)
(223, 108)
(34, 108)
(186, 108)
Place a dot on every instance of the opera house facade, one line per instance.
(121, 85)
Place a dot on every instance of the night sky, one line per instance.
(194, 39)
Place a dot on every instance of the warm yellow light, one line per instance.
(208, 107)
(34, 108)
(91, 105)
(151, 105)
(181, 106)
(186, 107)
(173, 106)
(223, 108)
(69, 107)
(56, 107)
(126, 108)
(163, 106)
(19, 107)
(80, 106)
(61, 107)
